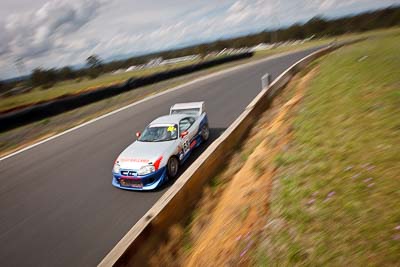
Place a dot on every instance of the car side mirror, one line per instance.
(138, 134)
(184, 133)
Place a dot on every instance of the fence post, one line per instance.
(265, 80)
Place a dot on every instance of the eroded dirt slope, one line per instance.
(226, 223)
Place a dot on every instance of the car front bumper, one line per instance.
(149, 182)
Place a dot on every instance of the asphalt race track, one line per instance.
(57, 204)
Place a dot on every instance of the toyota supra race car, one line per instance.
(164, 145)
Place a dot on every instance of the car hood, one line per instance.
(142, 153)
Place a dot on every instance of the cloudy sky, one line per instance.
(55, 33)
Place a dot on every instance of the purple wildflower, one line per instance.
(348, 168)
(311, 201)
(246, 249)
(370, 168)
(365, 165)
(368, 180)
(331, 194)
(243, 252)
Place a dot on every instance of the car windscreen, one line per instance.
(159, 133)
(190, 111)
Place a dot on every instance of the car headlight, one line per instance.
(116, 168)
(146, 170)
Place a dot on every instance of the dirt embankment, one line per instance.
(225, 227)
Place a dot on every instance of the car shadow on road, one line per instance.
(214, 134)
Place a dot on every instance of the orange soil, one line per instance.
(238, 217)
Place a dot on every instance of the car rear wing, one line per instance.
(192, 108)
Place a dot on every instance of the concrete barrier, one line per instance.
(135, 248)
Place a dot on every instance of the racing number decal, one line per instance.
(186, 146)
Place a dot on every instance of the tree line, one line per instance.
(317, 26)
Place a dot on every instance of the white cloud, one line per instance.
(4, 40)
(61, 32)
(34, 33)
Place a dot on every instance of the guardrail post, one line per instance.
(265, 80)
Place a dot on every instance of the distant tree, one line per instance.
(44, 78)
(316, 25)
(94, 64)
(294, 32)
(2, 87)
(37, 77)
(201, 50)
(66, 73)
(93, 61)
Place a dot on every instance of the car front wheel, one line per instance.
(173, 166)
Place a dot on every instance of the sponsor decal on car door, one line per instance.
(186, 144)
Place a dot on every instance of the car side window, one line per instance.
(185, 123)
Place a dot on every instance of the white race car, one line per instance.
(162, 147)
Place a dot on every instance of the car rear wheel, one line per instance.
(173, 166)
(205, 132)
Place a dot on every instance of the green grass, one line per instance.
(351, 36)
(215, 183)
(335, 200)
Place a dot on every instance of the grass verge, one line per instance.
(335, 196)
